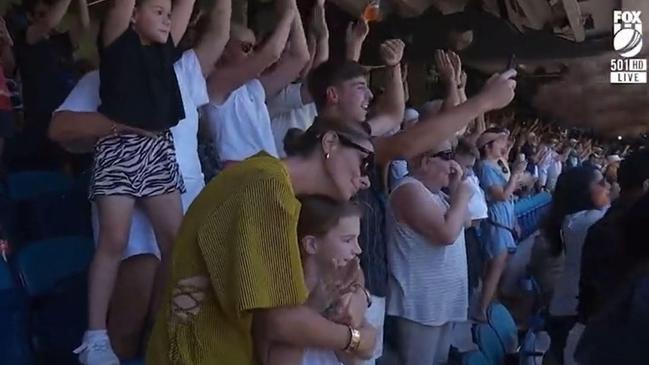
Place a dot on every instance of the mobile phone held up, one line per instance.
(511, 63)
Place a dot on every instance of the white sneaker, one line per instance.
(96, 350)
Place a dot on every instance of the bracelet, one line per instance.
(354, 340)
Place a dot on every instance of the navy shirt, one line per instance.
(47, 72)
(373, 236)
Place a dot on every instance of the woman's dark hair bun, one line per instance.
(293, 142)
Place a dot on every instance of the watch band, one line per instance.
(354, 340)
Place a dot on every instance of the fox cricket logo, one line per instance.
(627, 42)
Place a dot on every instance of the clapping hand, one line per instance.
(392, 52)
(445, 68)
(318, 20)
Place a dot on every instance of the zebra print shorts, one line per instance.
(135, 165)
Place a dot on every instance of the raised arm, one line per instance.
(43, 26)
(446, 72)
(117, 20)
(80, 28)
(391, 105)
(413, 207)
(318, 44)
(354, 39)
(430, 131)
(292, 61)
(210, 47)
(180, 16)
(321, 33)
(231, 77)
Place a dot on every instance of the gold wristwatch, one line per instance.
(354, 340)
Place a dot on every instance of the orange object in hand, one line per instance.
(372, 12)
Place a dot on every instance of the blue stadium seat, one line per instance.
(43, 264)
(28, 184)
(53, 273)
(7, 280)
(505, 327)
(487, 340)
(51, 215)
(474, 358)
(15, 348)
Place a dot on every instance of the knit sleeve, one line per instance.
(250, 248)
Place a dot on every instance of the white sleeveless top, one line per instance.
(427, 282)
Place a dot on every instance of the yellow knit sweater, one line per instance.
(236, 252)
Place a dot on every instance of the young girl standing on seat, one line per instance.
(136, 163)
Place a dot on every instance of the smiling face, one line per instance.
(347, 165)
(152, 20)
(352, 98)
(340, 244)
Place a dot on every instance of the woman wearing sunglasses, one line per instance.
(236, 263)
(499, 229)
(427, 257)
(580, 199)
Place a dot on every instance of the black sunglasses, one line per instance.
(367, 163)
(446, 155)
(503, 168)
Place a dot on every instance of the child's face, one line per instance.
(152, 20)
(340, 244)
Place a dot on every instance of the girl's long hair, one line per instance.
(572, 195)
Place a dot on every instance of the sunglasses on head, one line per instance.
(446, 155)
(367, 163)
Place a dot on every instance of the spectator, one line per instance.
(578, 202)
(328, 236)
(293, 106)
(139, 88)
(427, 256)
(339, 89)
(499, 229)
(466, 155)
(618, 334)
(237, 263)
(76, 125)
(603, 257)
(45, 60)
(238, 119)
(610, 174)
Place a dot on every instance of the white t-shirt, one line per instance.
(287, 111)
(478, 203)
(574, 230)
(240, 127)
(193, 90)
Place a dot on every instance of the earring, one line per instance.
(327, 156)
